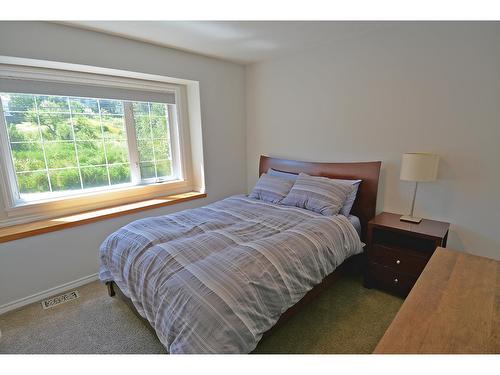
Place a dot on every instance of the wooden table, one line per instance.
(454, 307)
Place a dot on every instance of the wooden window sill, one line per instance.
(51, 225)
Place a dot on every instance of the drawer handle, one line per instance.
(398, 261)
(396, 281)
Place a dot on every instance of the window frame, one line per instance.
(17, 211)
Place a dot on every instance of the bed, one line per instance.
(216, 279)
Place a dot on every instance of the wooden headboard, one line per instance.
(368, 172)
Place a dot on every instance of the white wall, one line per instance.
(42, 262)
(411, 87)
(408, 87)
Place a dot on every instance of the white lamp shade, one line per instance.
(419, 167)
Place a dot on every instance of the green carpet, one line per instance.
(345, 319)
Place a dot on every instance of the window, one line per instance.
(63, 145)
(75, 138)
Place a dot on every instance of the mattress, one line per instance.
(214, 279)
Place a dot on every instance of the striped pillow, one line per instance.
(318, 194)
(271, 189)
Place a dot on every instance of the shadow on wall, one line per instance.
(437, 199)
(393, 202)
(460, 238)
(442, 190)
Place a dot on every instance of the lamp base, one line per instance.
(411, 219)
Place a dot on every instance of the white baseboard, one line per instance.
(47, 293)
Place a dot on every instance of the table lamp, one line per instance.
(418, 167)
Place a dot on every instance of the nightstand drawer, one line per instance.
(405, 261)
(404, 240)
(386, 278)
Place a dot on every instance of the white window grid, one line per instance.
(129, 125)
(152, 139)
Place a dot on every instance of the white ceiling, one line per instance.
(238, 41)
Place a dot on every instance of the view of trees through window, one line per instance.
(61, 143)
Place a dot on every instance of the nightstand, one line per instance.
(398, 251)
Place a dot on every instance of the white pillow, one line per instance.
(271, 189)
(319, 194)
(349, 202)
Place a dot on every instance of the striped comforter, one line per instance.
(214, 279)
